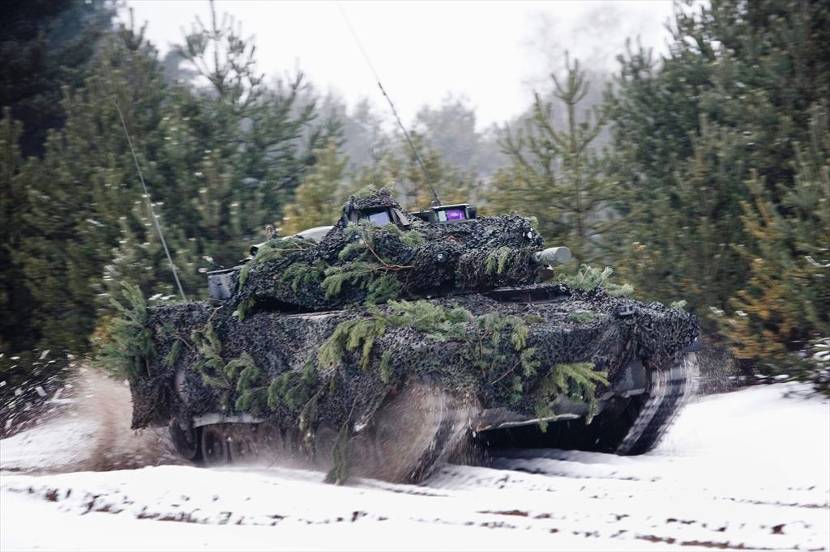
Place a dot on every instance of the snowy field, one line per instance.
(749, 469)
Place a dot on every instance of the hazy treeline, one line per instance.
(701, 175)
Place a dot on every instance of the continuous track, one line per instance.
(669, 391)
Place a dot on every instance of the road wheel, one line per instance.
(626, 426)
(187, 440)
(215, 448)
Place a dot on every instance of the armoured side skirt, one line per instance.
(216, 418)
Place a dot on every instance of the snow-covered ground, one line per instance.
(749, 469)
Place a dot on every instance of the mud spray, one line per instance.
(87, 428)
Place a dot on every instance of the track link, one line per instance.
(670, 390)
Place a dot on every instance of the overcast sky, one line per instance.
(492, 53)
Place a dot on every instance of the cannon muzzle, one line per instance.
(553, 256)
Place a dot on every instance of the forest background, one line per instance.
(701, 175)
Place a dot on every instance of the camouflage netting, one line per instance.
(280, 351)
(467, 344)
(358, 263)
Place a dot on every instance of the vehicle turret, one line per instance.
(377, 244)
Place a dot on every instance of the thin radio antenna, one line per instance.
(150, 202)
(435, 199)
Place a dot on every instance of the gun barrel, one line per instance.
(553, 256)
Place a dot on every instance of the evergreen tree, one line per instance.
(219, 163)
(84, 185)
(319, 198)
(271, 134)
(232, 155)
(684, 236)
(46, 45)
(785, 305)
(727, 102)
(15, 300)
(139, 257)
(363, 137)
(555, 174)
(450, 129)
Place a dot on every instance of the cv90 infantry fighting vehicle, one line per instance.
(392, 340)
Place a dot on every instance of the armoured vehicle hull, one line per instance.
(300, 352)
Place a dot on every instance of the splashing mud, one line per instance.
(88, 429)
(415, 430)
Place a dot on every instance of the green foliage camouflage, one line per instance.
(360, 263)
(576, 380)
(589, 278)
(485, 344)
(364, 267)
(582, 317)
(129, 351)
(271, 251)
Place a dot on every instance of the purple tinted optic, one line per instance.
(456, 214)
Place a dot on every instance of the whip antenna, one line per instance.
(149, 202)
(435, 199)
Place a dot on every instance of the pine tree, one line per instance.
(271, 134)
(785, 305)
(139, 258)
(450, 129)
(685, 237)
(232, 155)
(691, 130)
(15, 327)
(82, 187)
(555, 174)
(318, 200)
(219, 164)
(46, 45)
